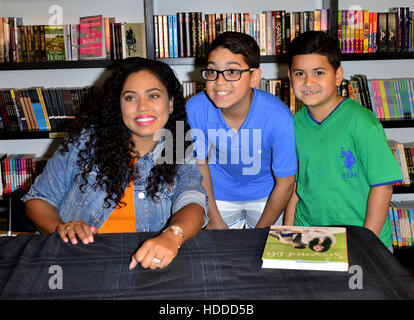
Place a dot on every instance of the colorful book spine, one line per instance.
(384, 99)
(411, 96)
(393, 99)
(411, 217)
(175, 36)
(398, 97)
(373, 99)
(394, 233)
(170, 36)
(366, 30)
(92, 37)
(389, 100)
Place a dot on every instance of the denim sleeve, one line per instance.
(189, 189)
(56, 179)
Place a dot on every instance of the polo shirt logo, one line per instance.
(349, 163)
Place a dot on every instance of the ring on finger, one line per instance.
(156, 261)
(67, 229)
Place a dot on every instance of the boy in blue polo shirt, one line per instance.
(244, 138)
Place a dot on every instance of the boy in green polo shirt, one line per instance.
(346, 168)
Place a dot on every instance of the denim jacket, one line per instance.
(59, 186)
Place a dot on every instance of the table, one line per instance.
(214, 265)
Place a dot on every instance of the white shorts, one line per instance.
(243, 214)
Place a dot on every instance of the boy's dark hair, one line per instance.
(318, 42)
(238, 43)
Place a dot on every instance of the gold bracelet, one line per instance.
(177, 231)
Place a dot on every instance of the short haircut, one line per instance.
(317, 42)
(238, 43)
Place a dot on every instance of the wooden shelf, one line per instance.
(9, 135)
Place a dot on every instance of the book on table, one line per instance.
(306, 248)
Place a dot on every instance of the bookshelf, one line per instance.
(83, 73)
(377, 65)
(50, 74)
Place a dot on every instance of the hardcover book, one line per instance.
(92, 43)
(306, 248)
(55, 43)
(136, 45)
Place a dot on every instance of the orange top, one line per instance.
(122, 219)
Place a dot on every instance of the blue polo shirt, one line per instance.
(243, 164)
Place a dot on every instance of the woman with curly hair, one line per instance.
(119, 169)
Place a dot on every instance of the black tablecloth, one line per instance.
(214, 265)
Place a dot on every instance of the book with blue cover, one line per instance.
(306, 248)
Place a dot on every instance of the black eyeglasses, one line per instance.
(228, 75)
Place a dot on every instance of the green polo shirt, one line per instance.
(340, 159)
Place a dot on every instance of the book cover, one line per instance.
(136, 45)
(92, 38)
(306, 248)
(55, 43)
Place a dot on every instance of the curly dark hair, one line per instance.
(109, 146)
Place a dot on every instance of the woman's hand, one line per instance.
(69, 231)
(157, 252)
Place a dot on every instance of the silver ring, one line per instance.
(156, 261)
(67, 228)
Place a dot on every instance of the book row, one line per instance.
(389, 99)
(402, 221)
(278, 87)
(18, 171)
(188, 34)
(94, 37)
(41, 109)
(361, 31)
(405, 158)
